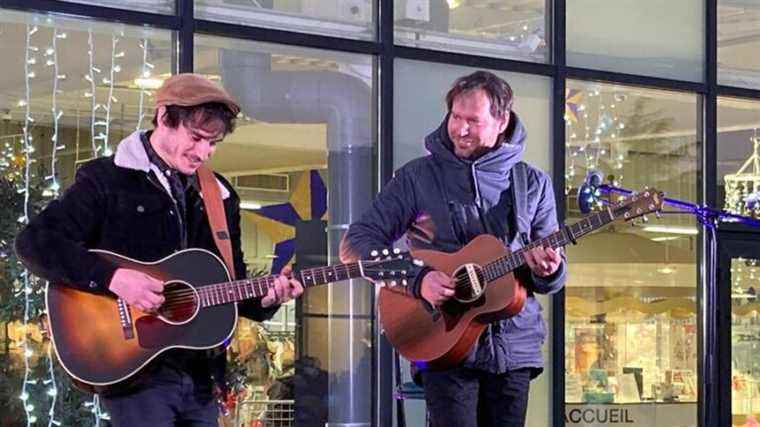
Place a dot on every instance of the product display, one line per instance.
(631, 359)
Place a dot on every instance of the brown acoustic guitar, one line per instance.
(485, 288)
(101, 341)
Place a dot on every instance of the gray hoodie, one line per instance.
(442, 202)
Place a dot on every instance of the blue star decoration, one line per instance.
(308, 201)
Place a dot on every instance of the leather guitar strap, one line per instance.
(212, 200)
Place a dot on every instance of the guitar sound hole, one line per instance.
(469, 283)
(181, 302)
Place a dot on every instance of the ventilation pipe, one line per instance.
(343, 103)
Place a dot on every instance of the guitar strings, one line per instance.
(216, 294)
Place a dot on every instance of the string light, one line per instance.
(91, 94)
(52, 51)
(145, 73)
(52, 389)
(27, 282)
(111, 99)
(596, 118)
(27, 286)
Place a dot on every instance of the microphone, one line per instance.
(588, 192)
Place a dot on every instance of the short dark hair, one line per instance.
(203, 113)
(497, 90)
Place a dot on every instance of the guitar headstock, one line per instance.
(390, 267)
(638, 204)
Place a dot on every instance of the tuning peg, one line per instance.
(418, 263)
(396, 251)
(644, 219)
(374, 253)
(393, 272)
(385, 252)
(404, 282)
(393, 283)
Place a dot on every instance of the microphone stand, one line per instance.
(709, 218)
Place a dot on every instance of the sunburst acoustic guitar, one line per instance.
(102, 342)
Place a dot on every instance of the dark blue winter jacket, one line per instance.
(441, 202)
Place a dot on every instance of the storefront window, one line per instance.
(645, 37)
(745, 341)
(306, 131)
(739, 156)
(70, 90)
(419, 96)
(738, 30)
(503, 29)
(353, 19)
(631, 324)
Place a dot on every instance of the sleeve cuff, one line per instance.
(417, 284)
(100, 276)
(551, 283)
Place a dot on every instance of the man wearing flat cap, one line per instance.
(145, 203)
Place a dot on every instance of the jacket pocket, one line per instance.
(142, 225)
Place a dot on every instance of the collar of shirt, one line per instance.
(186, 180)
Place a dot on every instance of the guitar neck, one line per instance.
(240, 290)
(568, 234)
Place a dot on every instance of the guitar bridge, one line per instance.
(125, 318)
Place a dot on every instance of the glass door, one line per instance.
(739, 327)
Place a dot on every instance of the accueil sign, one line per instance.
(632, 415)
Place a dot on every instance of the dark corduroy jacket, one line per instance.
(122, 204)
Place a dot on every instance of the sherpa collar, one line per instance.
(130, 154)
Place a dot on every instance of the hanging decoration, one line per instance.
(743, 186)
(308, 201)
(593, 127)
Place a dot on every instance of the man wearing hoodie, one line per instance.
(466, 187)
(145, 203)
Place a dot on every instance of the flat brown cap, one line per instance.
(188, 89)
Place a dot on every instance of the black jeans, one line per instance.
(462, 397)
(168, 397)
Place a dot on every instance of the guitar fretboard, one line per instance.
(239, 290)
(568, 234)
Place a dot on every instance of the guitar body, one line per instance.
(442, 339)
(97, 347)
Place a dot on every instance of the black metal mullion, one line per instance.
(709, 161)
(387, 56)
(385, 352)
(293, 38)
(474, 61)
(708, 347)
(557, 9)
(738, 92)
(100, 13)
(634, 80)
(185, 36)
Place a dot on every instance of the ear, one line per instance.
(160, 116)
(504, 122)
